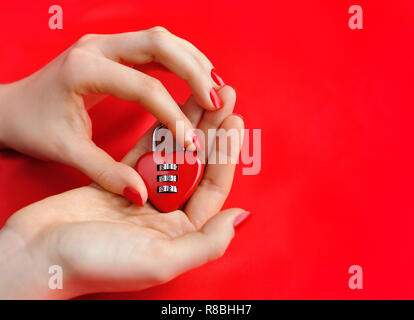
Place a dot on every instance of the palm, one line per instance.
(114, 237)
(102, 235)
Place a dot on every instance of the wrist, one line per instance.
(13, 261)
(24, 269)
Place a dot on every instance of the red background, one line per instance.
(336, 111)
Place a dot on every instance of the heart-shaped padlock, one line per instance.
(169, 183)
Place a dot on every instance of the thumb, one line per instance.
(113, 176)
(210, 243)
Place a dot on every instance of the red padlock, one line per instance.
(169, 183)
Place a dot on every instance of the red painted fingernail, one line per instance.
(216, 78)
(133, 195)
(216, 99)
(240, 218)
(197, 142)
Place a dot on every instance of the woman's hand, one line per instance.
(105, 243)
(45, 115)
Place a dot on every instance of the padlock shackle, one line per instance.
(154, 137)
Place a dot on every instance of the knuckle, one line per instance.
(222, 244)
(77, 59)
(217, 251)
(216, 247)
(180, 221)
(194, 71)
(204, 62)
(232, 92)
(152, 85)
(210, 184)
(86, 39)
(238, 123)
(220, 252)
(158, 37)
(76, 56)
(158, 29)
(104, 178)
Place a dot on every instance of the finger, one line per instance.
(207, 120)
(192, 111)
(106, 76)
(214, 188)
(143, 145)
(177, 55)
(114, 176)
(207, 65)
(213, 120)
(197, 248)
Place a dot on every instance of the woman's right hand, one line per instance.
(45, 115)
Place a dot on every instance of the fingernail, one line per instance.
(133, 195)
(215, 99)
(216, 78)
(238, 115)
(240, 218)
(191, 147)
(197, 142)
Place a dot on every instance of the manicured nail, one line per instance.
(191, 147)
(133, 195)
(215, 99)
(216, 78)
(197, 142)
(240, 218)
(189, 141)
